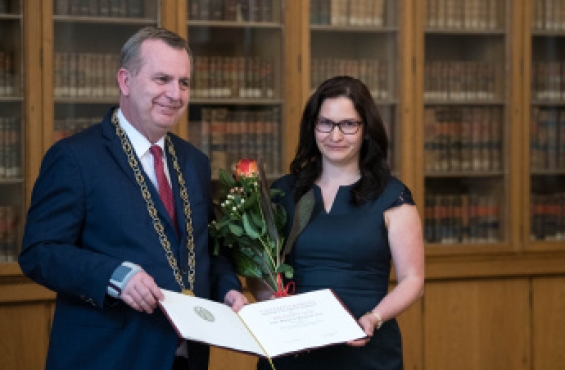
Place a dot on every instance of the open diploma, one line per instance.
(270, 328)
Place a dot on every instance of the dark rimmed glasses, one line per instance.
(347, 126)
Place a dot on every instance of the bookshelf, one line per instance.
(237, 94)
(12, 123)
(544, 125)
(467, 74)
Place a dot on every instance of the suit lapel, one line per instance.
(117, 153)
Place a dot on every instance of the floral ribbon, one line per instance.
(284, 291)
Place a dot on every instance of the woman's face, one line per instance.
(336, 147)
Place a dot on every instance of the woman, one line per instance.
(361, 220)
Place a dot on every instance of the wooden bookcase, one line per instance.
(489, 304)
(544, 126)
(12, 123)
(466, 99)
(237, 88)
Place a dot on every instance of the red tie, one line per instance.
(165, 191)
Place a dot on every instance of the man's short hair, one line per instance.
(130, 57)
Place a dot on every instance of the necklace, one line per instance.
(134, 164)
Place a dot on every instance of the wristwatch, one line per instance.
(122, 274)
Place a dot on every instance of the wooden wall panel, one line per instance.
(410, 322)
(24, 339)
(221, 359)
(477, 325)
(548, 316)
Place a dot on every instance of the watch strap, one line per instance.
(120, 277)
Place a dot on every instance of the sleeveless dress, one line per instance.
(347, 250)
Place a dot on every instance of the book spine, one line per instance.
(3, 74)
(218, 140)
(429, 220)
(561, 140)
(13, 145)
(3, 147)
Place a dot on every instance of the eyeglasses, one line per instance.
(347, 127)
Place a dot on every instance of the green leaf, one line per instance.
(302, 214)
(246, 266)
(226, 179)
(285, 269)
(280, 216)
(250, 228)
(256, 217)
(235, 229)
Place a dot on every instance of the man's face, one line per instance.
(154, 99)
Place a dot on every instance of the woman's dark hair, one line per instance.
(307, 163)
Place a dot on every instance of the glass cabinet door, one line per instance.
(88, 35)
(12, 123)
(360, 38)
(545, 124)
(465, 122)
(237, 87)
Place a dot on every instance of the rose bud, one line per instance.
(246, 167)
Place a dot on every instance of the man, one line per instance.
(121, 210)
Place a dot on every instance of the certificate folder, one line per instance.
(270, 328)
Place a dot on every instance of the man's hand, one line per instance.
(235, 300)
(141, 293)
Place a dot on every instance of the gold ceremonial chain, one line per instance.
(126, 145)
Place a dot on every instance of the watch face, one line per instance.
(120, 273)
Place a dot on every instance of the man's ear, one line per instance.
(124, 78)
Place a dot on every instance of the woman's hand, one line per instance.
(368, 324)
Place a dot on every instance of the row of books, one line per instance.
(9, 221)
(549, 15)
(5, 6)
(547, 139)
(459, 81)
(463, 139)
(69, 126)
(548, 80)
(233, 77)
(100, 8)
(465, 14)
(234, 10)
(10, 148)
(461, 218)
(547, 216)
(376, 74)
(7, 77)
(348, 12)
(226, 135)
(85, 75)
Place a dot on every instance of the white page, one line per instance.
(302, 321)
(223, 327)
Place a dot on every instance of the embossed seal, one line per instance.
(204, 313)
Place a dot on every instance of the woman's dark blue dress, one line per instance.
(346, 250)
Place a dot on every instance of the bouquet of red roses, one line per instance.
(249, 224)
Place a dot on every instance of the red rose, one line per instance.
(246, 167)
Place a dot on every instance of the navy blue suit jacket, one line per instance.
(87, 216)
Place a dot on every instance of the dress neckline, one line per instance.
(340, 189)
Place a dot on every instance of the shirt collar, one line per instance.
(139, 142)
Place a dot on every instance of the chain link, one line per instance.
(134, 164)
